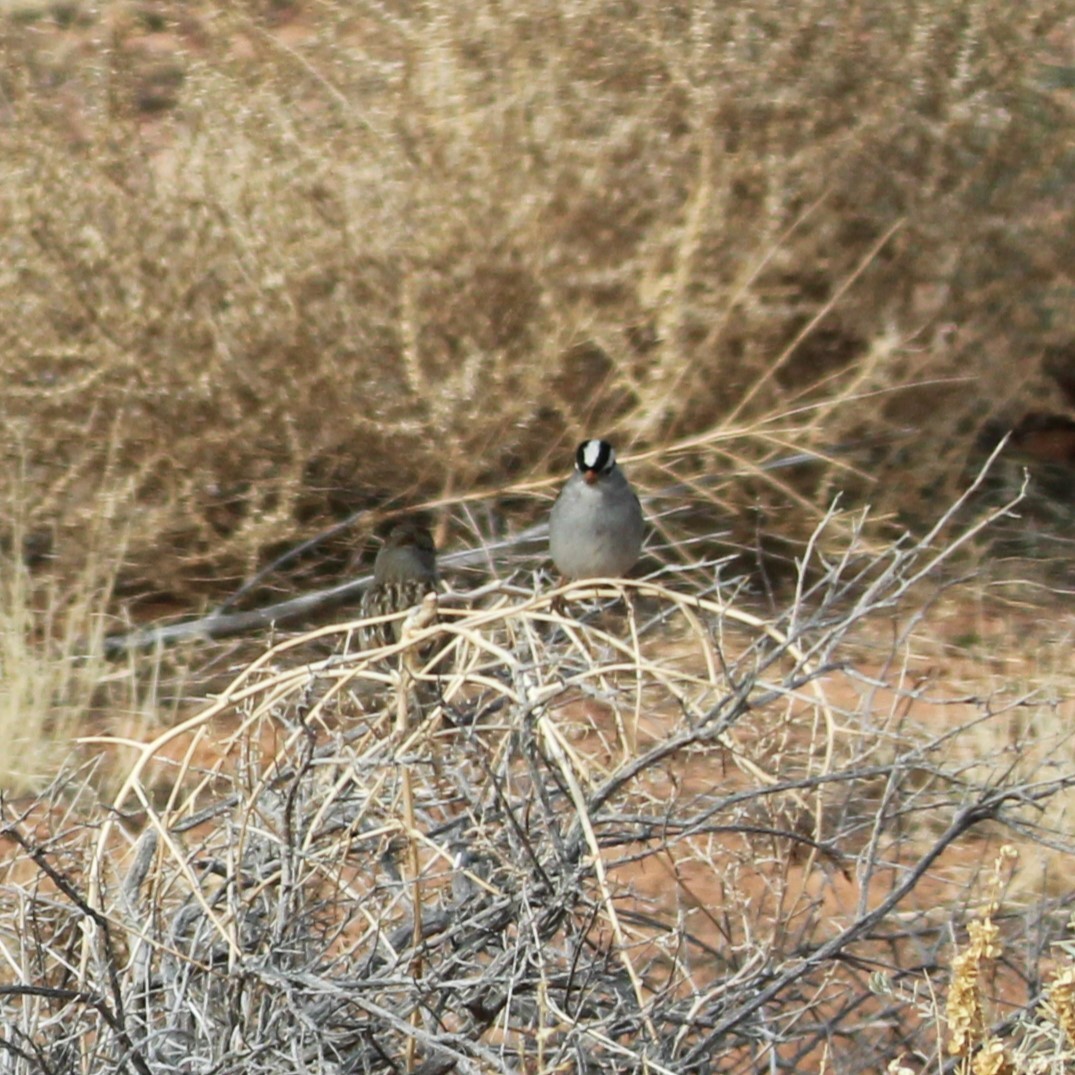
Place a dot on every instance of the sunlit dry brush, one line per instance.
(272, 264)
(656, 833)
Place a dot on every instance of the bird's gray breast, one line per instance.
(595, 530)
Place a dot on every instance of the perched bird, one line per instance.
(596, 525)
(403, 573)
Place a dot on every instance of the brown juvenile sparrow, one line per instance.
(596, 526)
(403, 573)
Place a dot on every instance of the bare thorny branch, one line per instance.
(640, 839)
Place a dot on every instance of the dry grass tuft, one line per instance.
(53, 674)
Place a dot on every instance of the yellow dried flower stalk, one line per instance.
(991, 1059)
(966, 1023)
(965, 1014)
(1061, 1003)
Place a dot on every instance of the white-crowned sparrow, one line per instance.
(596, 525)
(403, 573)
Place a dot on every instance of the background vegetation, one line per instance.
(269, 268)
(267, 263)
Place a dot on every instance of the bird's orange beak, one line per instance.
(589, 476)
